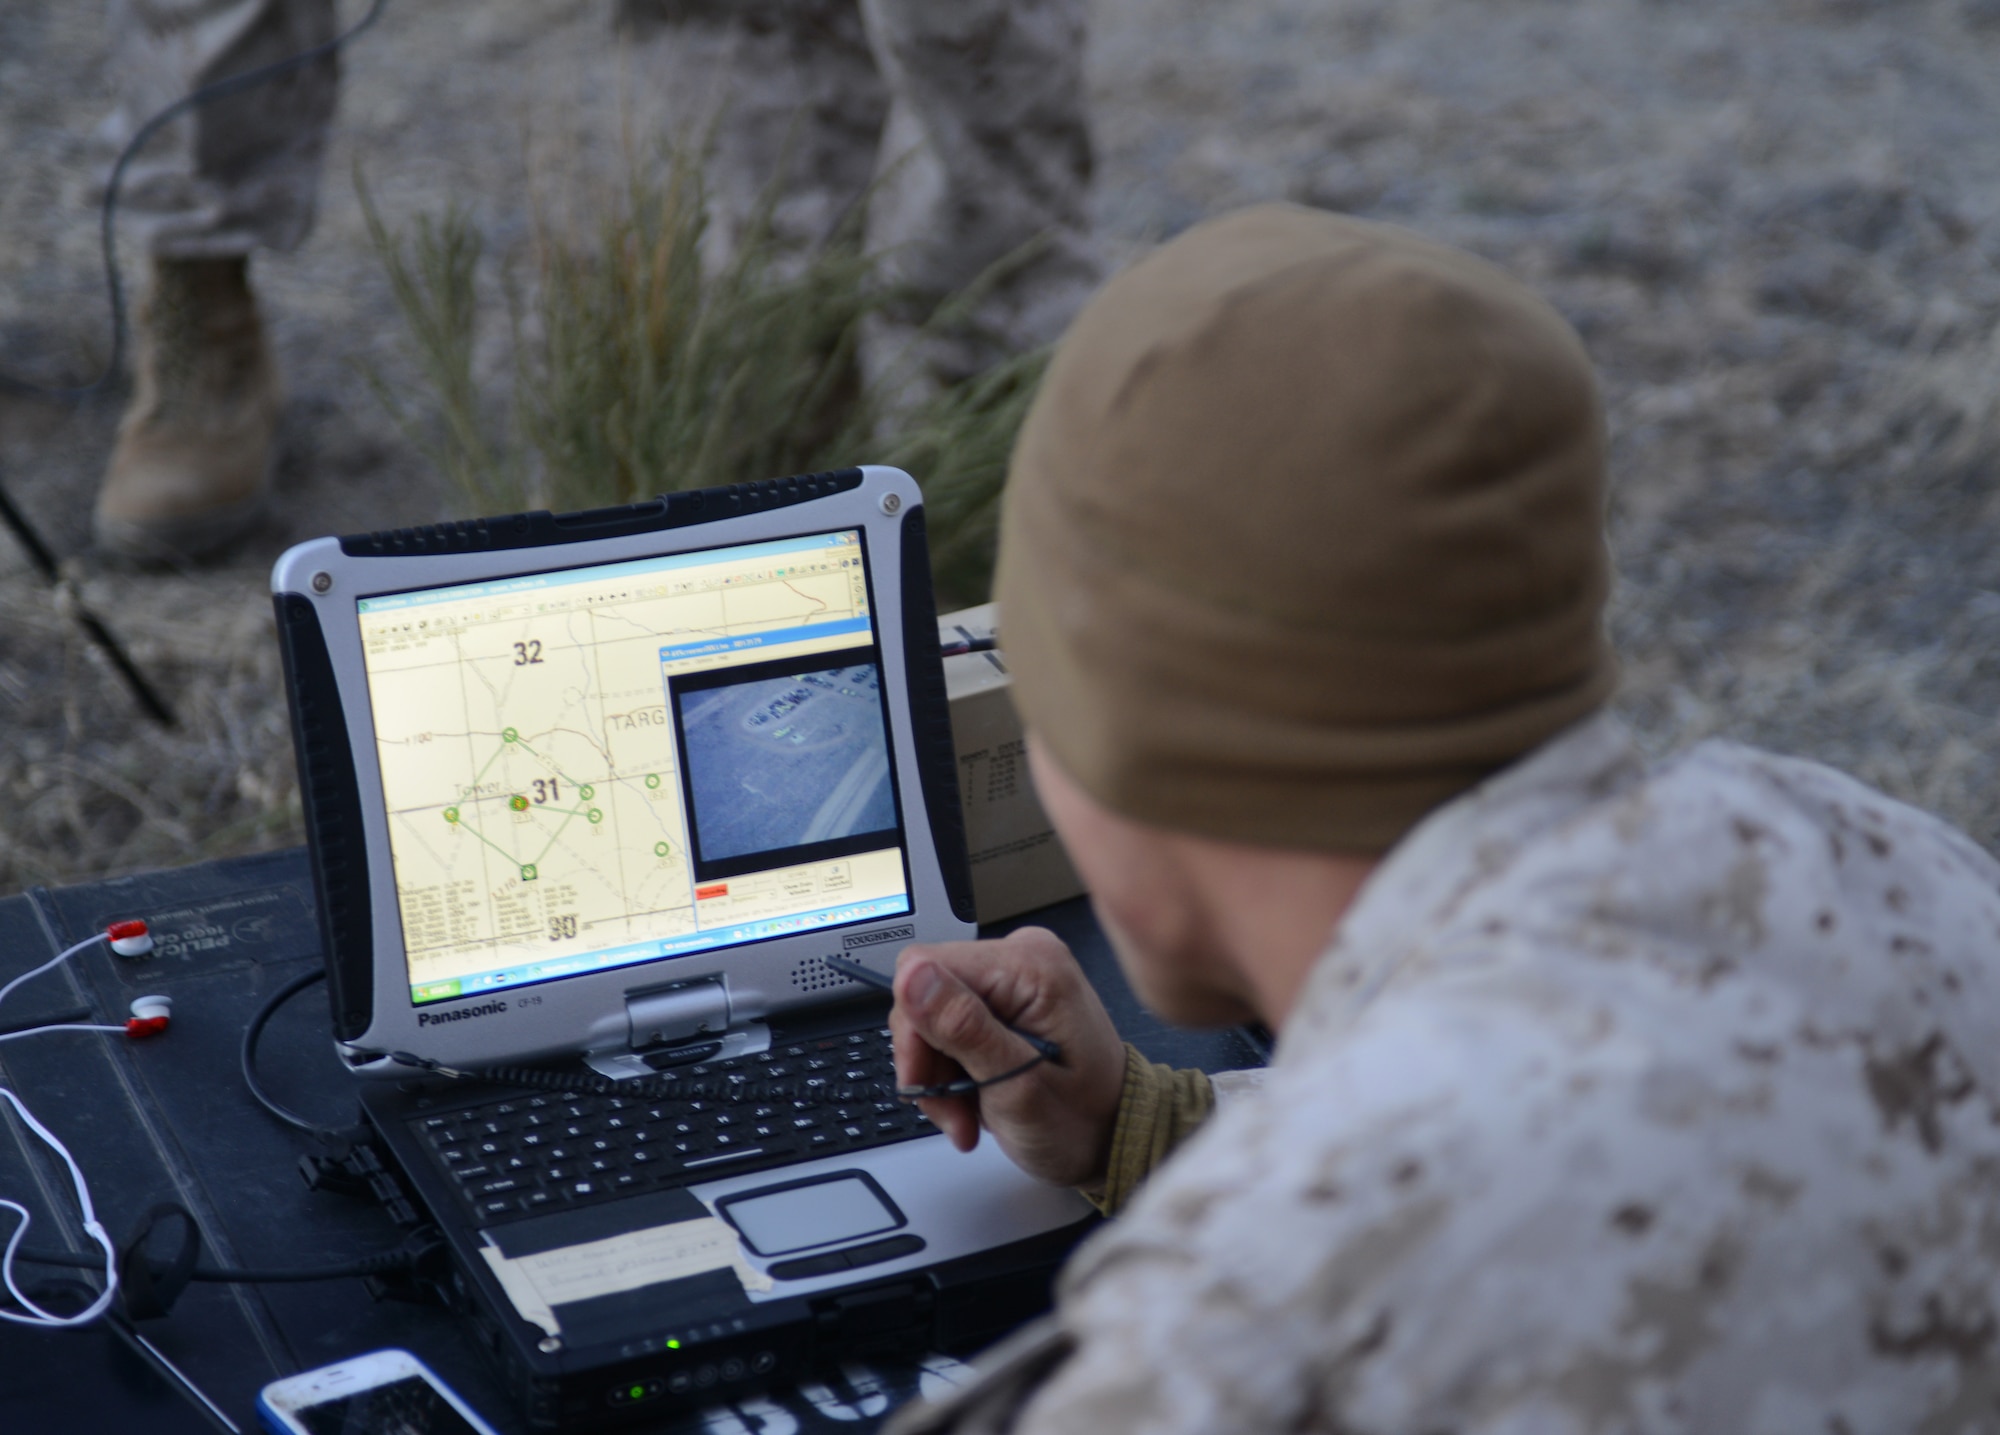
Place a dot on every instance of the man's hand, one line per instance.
(1054, 1121)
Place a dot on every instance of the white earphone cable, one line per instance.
(57, 960)
(37, 1316)
(59, 1026)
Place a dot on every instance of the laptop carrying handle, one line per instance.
(331, 798)
(930, 719)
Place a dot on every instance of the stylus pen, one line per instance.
(1049, 1050)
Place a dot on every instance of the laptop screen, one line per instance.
(599, 766)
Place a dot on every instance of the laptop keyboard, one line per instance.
(525, 1154)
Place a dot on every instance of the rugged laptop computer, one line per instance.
(590, 797)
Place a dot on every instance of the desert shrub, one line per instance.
(640, 368)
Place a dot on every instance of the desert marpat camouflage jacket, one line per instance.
(1624, 1100)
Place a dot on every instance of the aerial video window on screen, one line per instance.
(783, 760)
(608, 765)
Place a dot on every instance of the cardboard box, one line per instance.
(1018, 863)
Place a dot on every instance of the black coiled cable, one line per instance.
(247, 1056)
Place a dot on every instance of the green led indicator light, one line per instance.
(673, 1345)
(638, 1391)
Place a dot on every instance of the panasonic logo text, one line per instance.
(438, 1018)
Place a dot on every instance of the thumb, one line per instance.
(949, 1016)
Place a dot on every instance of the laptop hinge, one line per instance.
(675, 1026)
(669, 1015)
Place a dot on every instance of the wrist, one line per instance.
(1158, 1108)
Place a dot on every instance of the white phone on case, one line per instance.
(386, 1392)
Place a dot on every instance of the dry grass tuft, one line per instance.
(639, 368)
(79, 806)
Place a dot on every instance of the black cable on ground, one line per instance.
(108, 215)
(150, 1284)
(379, 1264)
(143, 692)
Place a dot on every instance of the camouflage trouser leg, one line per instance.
(783, 92)
(965, 116)
(239, 172)
(986, 159)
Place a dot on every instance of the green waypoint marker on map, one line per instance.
(595, 814)
(528, 873)
(510, 735)
(660, 849)
(519, 804)
(586, 792)
(652, 779)
(451, 814)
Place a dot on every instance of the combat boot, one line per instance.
(192, 467)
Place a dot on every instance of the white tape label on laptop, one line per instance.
(622, 1263)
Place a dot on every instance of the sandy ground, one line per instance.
(1775, 222)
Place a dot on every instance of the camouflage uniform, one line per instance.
(962, 128)
(241, 171)
(1624, 1100)
(967, 120)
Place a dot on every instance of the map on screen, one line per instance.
(532, 760)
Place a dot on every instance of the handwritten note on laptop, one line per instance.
(538, 1283)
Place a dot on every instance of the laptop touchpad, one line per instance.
(801, 1214)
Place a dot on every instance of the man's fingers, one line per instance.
(957, 1004)
(956, 1116)
(919, 1063)
(954, 1021)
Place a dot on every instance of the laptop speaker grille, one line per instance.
(814, 975)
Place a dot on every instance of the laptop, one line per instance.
(590, 798)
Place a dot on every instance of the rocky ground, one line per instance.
(1776, 223)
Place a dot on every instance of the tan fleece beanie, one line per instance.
(1303, 535)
